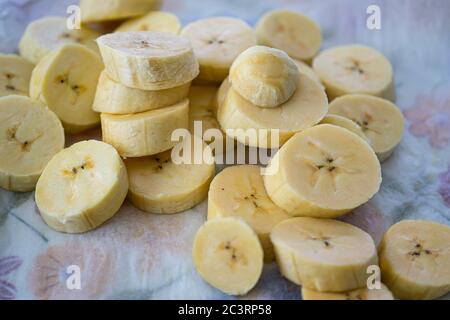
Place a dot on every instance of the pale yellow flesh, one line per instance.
(381, 121)
(324, 171)
(158, 185)
(81, 187)
(306, 70)
(239, 191)
(145, 133)
(217, 42)
(264, 76)
(113, 97)
(322, 254)
(30, 135)
(148, 60)
(203, 108)
(304, 109)
(359, 294)
(106, 10)
(228, 255)
(344, 123)
(15, 74)
(152, 21)
(205, 115)
(66, 80)
(355, 69)
(49, 33)
(290, 31)
(415, 259)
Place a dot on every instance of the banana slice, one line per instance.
(148, 60)
(145, 133)
(82, 187)
(217, 42)
(203, 96)
(49, 33)
(239, 191)
(153, 21)
(264, 76)
(15, 74)
(158, 185)
(355, 69)
(380, 120)
(222, 94)
(306, 108)
(359, 294)
(106, 10)
(307, 70)
(292, 32)
(30, 135)
(66, 80)
(113, 97)
(344, 123)
(228, 255)
(325, 171)
(322, 254)
(415, 259)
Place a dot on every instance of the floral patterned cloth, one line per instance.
(138, 255)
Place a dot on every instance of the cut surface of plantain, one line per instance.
(66, 80)
(148, 60)
(160, 185)
(324, 171)
(228, 255)
(106, 10)
(153, 21)
(239, 191)
(380, 120)
(113, 97)
(145, 133)
(415, 259)
(355, 69)
(82, 187)
(15, 74)
(358, 294)
(344, 123)
(264, 76)
(203, 108)
(290, 31)
(322, 254)
(217, 42)
(30, 135)
(49, 33)
(304, 109)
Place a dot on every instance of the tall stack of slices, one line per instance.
(142, 93)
